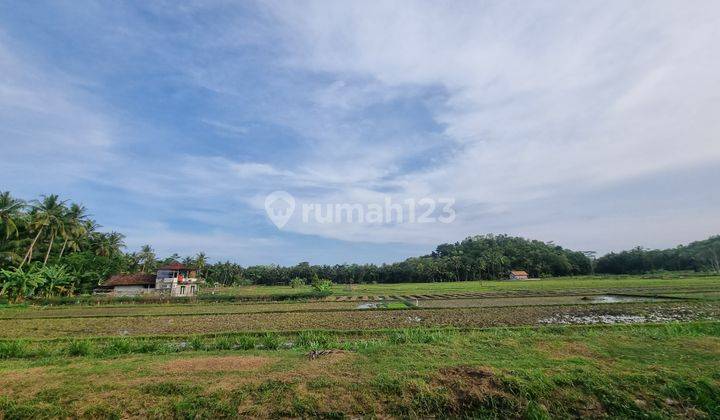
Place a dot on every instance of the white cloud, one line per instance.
(501, 105)
(51, 132)
(540, 98)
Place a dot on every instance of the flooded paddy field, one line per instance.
(330, 304)
(461, 317)
(536, 300)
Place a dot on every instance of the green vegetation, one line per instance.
(667, 280)
(465, 349)
(475, 258)
(697, 256)
(617, 371)
(50, 250)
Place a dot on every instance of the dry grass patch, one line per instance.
(27, 381)
(215, 364)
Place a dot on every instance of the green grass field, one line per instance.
(669, 281)
(490, 349)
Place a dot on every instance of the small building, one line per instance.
(129, 284)
(174, 280)
(518, 275)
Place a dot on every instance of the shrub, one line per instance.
(322, 286)
(315, 340)
(246, 342)
(270, 341)
(197, 343)
(118, 346)
(12, 349)
(297, 282)
(79, 348)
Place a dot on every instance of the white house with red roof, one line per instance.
(175, 279)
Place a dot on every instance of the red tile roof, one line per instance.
(174, 266)
(518, 273)
(137, 279)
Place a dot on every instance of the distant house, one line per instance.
(174, 279)
(518, 275)
(129, 284)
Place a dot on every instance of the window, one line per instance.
(182, 290)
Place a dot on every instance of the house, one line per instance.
(174, 280)
(518, 275)
(129, 284)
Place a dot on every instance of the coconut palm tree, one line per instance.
(45, 215)
(108, 244)
(200, 263)
(54, 210)
(75, 228)
(10, 209)
(147, 256)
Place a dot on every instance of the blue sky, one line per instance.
(591, 124)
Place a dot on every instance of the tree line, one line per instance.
(52, 247)
(696, 256)
(475, 258)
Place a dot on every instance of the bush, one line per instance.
(79, 348)
(323, 286)
(297, 282)
(223, 343)
(270, 341)
(197, 343)
(246, 342)
(118, 346)
(315, 340)
(12, 349)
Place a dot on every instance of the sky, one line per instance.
(592, 124)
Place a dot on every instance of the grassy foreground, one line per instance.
(669, 370)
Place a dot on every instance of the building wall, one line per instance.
(183, 290)
(130, 290)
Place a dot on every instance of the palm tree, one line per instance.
(200, 263)
(109, 244)
(45, 214)
(147, 256)
(75, 227)
(55, 211)
(9, 212)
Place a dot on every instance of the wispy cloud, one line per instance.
(534, 117)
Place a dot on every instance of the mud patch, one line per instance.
(215, 364)
(475, 388)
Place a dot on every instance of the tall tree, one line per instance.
(10, 210)
(75, 228)
(200, 263)
(147, 257)
(45, 215)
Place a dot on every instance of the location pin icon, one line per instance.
(279, 206)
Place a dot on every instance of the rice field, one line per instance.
(618, 347)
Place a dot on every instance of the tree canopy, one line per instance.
(52, 247)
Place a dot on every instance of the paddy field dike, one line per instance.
(562, 347)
